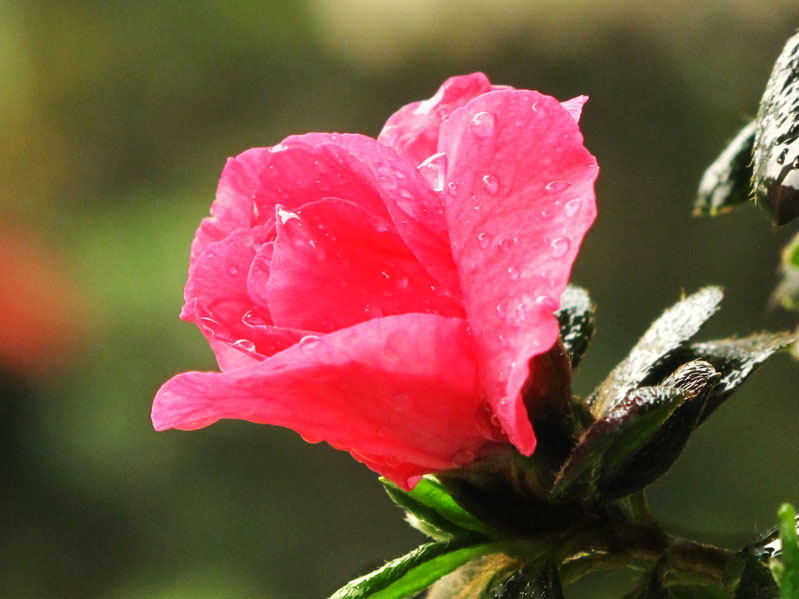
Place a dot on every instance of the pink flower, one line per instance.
(387, 295)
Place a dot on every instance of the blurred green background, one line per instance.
(115, 121)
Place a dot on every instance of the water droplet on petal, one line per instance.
(286, 215)
(309, 342)
(253, 318)
(209, 326)
(233, 271)
(556, 186)
(513, 274)
(482, 124)
(490, 184)
(452, 188)
(245, 344)
(559, 245)
(503, 342)
(547, 212)
(500, 312)
(571, 207)
(504, 245)
(434, 170)
(483, 240)
(521, 312)
(547, 302)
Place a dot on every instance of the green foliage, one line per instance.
(432, 505)
(785, 563)
(747, 576)
(787, 293)
(667, 334)
(418, 569)
(776, 146)
(576, 319)
(726, 183)
(614, 438)
(652, 586)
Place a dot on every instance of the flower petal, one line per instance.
(524, 201)
(412, 131)
(335, 265)
(415, 208)
(399, 393)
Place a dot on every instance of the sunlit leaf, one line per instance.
(727, 181)
(669, 332)
(785, 562)
(404, 576)
(776, 147)
(576, 318)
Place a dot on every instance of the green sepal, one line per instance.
(613, 439)
(438, 514)
(787, 293)
(535, 581)
(406, 575)
(747, 576)
(576, 319)
(667, 334)
(735, 359)
(784, 562)
(776, 147)
(655, 455)
(726, 183)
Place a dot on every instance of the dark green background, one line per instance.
(115, 120)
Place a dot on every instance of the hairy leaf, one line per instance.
(785, 562)
(776, 146)
(431, 503)
(747, 576)
(576, 318)
(727, 181)
(536, 581)
(614, 438)
(668, 333)
(418, 569)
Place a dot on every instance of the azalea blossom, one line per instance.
(386, 296)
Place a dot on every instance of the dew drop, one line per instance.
(547, 212)
(452, 188)
(521, 312)
(490, 184)
(434, 170)
(245, 344)
(483, 240)
(556, 186)
(547, 302)
(482, 124)
(309, 342)
(571, 207)
(253, 318)
(513, 274)
(233, 271)
(500, 312)
(504, 245)
(559, 245)
(503, 342)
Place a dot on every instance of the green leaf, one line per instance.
(727, 181)
(677, 324)
(576, 318)
(655, 455)
(614, 438)
(431, 503)
(747, 576)
(787, 293)
(735, 359)
(776, 147)
(785, 562)
(418, 569)
(536, 581)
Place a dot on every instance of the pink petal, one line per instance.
(219, 303)
(232, 208)
(415, 208)
(335, 265)
(524, 201)
(399, 393)
(575, 106)
(412, 131)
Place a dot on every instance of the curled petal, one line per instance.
(335, 265)
(524, 201)
(400, 393)
(415, 208)
(412, 131)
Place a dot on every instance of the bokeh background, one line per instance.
(116, 118)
